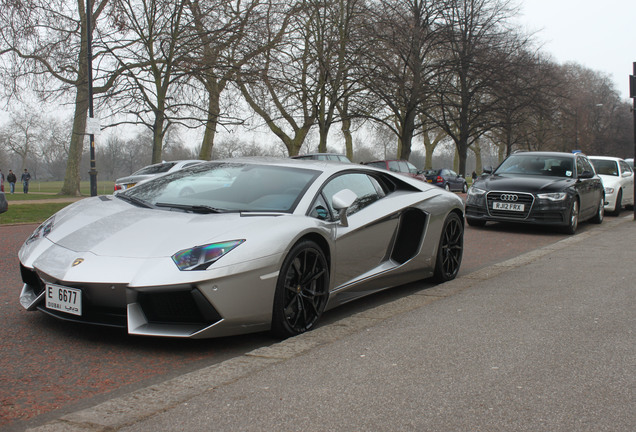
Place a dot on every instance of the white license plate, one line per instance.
(507, 206)
(64, 299)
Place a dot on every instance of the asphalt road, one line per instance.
(48, 367)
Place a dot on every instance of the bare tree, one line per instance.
(47, 44)
(150, 55)
(401, 60)
(22, 134)
(281, 85)
(477, 51)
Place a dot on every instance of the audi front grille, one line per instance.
(524, 199)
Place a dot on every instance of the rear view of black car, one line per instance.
(448, 179)
(546, 188)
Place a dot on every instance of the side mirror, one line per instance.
(341, 202)
(586, 175)
(487, 170)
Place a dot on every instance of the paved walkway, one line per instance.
(541, 342)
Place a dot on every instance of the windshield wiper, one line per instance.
(192, 208)
(134, 200)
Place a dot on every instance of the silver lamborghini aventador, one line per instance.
(241, 245)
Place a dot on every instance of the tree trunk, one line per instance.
(214, 111)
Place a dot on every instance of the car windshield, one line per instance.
(225, 187)
(527, 164)
(605, 167)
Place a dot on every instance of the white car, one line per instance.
(152, 171)
(618, 180)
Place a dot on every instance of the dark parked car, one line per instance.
(324, 156)
(399, 166)
(4, 205)
(448, 179)
(540, 188)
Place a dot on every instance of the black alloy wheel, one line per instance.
(450, 250)
(301, 290)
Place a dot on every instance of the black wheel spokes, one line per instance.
(305, 291)
(452, 247)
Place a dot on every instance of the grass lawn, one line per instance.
(31, 213)
(51, 189)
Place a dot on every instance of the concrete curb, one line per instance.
(142, 404)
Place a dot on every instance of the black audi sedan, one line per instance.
(547, 188)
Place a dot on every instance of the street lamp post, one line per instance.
(93, 172)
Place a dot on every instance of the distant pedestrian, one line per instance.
(11, 178)
(25, 179)
(1, 181)
(474, 176)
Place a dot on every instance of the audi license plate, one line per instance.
(497, 205)
(64, 299)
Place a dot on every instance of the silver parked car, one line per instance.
(152, 171)
(238, 246)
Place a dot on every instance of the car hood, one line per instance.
(107, 226)
(517, 183)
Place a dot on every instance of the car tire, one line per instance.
(475, 222)
(573, 222)
(450, 249)
(600, 211)
(447, 187)
(619, 203)
(302, 290)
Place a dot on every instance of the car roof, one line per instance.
(606, 158)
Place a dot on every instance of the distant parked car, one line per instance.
(542, 188)
(448, 179)
(399, 166)
(618, 180)
(4, 205)
(152, 171)
(324, 156)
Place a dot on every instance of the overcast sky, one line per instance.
(600, 35)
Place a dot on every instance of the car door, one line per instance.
(627, 179)
(590, 189)
(363, 244)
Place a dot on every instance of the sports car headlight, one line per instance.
(556, 196)
(202, 257)
(41, 231)
(609, 190)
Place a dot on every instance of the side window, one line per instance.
(579, 166)
(404, 168)
(361, 184)
(587, 166)
(320, 209)
(625, 168)
(394, 166)
(412, 168)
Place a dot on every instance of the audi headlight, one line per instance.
(476, 192)
(555, 196)
(202, 257)
(41, 231)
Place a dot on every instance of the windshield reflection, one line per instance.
(216, 187)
